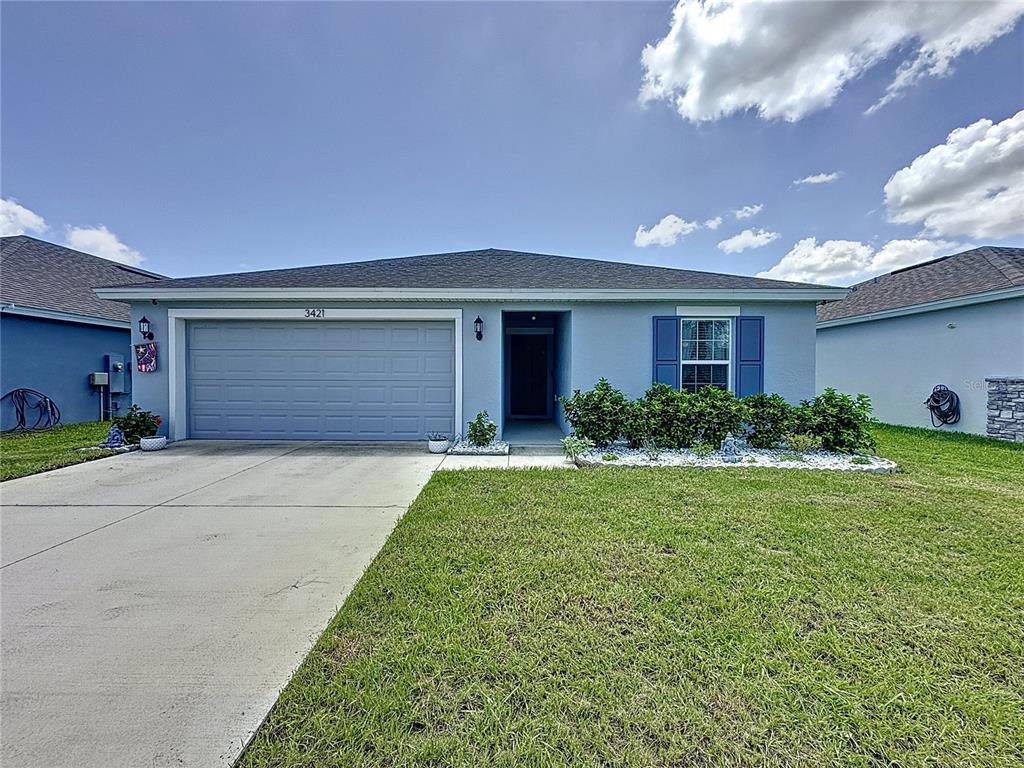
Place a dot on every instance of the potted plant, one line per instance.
(139, 426)
(437, 442)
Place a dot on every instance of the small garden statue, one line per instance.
(730, 449)
(115, 438)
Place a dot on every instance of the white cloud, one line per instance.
(897, 254)
(666, 232)
(844, 261)
(714, 223)
(100, 241)
(972, 185)
(16, 219)
(833, 260)
(748, 210)
(789, 59)
(748, 238)
(818, 178)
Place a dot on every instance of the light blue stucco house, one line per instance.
(395, 348)
(957, 321)
(55, 331)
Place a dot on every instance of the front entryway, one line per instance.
(531, 373)
(536, 367)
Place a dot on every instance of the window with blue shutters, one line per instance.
(724, 352)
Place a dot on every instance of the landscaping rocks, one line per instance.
(466, 448)
(747, 457)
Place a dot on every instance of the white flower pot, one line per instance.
(152, 443)
(438, 446)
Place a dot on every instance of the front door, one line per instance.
(530, 375)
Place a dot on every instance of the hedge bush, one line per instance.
(599, 414)
(667, 418)
(839, 420)
(769, 419)
(714, 413)
(662, 416)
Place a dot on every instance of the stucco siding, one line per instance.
(897, 361)
(594, 339)
(56, 358)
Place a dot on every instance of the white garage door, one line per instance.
(320, 380)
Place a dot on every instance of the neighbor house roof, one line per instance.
(469, 273)
(973, 274)
(41, 278)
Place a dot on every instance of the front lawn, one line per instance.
(645, 617)
(26, 453)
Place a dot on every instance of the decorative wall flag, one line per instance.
(145, 357)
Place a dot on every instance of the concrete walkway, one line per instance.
(153, 605)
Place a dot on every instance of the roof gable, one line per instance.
(35, 274)
(979, 270)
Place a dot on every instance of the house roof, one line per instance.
(489, 269)
(961, 275)
(36, 275)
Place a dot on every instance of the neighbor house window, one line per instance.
(706, 353)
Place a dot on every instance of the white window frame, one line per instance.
(726, 363)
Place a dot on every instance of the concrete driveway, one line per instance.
(153, 605)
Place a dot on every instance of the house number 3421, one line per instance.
(316, 314)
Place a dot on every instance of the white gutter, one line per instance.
(67, 317)
(139, 292)
(930, 306)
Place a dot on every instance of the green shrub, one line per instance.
(860, 460)
(703, 449)
(574, 447)
(769, 418)
(599, 414)
(136, 424)
(839, 420)
(802, 443)
(661, 415)
(790, 456)
(481, 430)
(610, 457)
(714, 413)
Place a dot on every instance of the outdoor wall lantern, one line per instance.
(478, 327)
(144, 328)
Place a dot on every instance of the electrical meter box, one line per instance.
(115, 372)
(99, 379)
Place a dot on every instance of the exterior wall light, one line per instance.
(144, 330)
(478, 328)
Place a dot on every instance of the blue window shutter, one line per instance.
(666, 351)
(749, 355)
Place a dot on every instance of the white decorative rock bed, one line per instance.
(466, 448)
(748, 457)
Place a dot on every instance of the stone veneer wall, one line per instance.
(1006, 408)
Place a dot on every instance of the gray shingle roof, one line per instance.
(485, 269)
(39, 275)
(979, 270)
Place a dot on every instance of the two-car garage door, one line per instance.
(320, 380)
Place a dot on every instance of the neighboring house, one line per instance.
(54, 331)
(956, 321)
(392, 349)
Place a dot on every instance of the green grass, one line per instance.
(651, 617)
(26, 453)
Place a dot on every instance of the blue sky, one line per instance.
(217, 137)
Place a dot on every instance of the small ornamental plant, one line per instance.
(481, 430)
(137, 424)
(575, 446)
